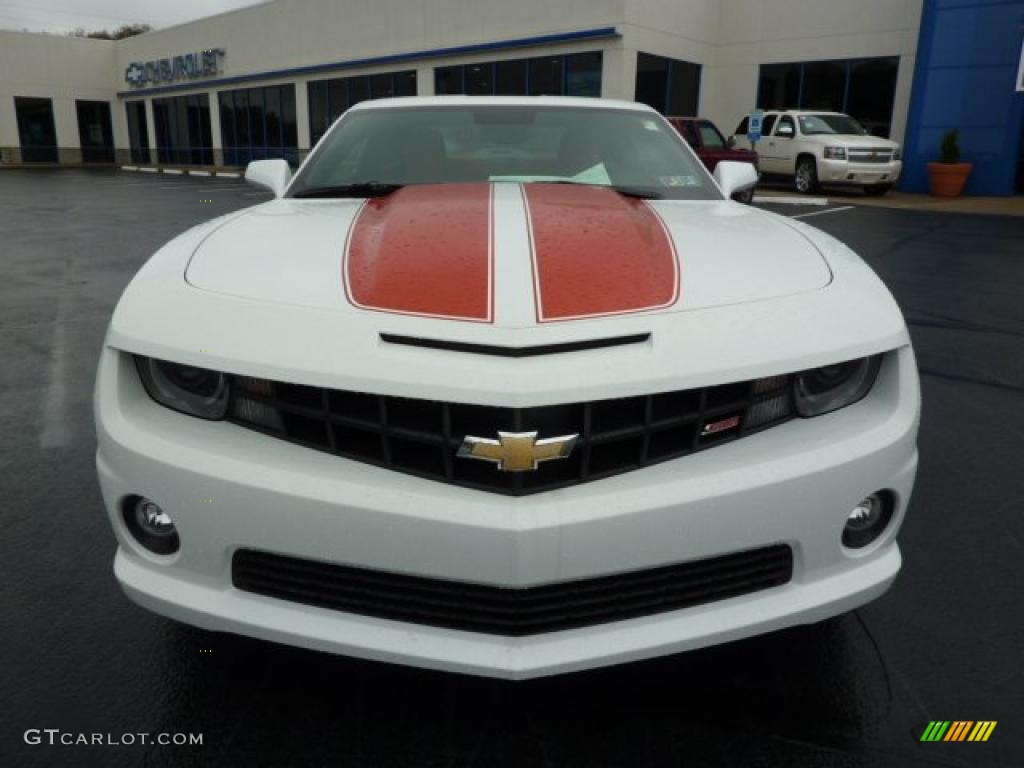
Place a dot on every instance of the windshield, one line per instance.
(844, 124)
(377, 150)
(711, 137)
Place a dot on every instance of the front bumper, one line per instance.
(228, 488)
(859, 174)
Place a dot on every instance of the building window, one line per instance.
(668, 85)
(478, 79)
(358, 90)
(546, 76)
(824, 86)
(138, 131)
(95, 134)
(583, 74)
(871, 91)
(862, 88)
(448, 80)
(778, 86)
(328, 99)
(574, 74)
(36, 130)
(258, 124)
(183, 135)
(510, 77)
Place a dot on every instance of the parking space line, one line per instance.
(818, 213)
(779, 200)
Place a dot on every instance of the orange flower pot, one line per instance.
(947, 179)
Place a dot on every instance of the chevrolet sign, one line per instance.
(189, 66)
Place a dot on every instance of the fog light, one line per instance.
(867, 520)
(152, 519)
(150, 525)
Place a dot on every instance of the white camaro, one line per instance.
(506, 386)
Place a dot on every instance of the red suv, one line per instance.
(711, 147)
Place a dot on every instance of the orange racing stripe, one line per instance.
(596, 252)
(424, 250)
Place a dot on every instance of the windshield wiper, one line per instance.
(362, 189)
(640, 192)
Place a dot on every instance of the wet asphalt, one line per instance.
(946, 643)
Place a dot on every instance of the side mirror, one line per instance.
(731, 142)
(270, 174)
(734, 177)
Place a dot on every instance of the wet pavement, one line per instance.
(945, 643)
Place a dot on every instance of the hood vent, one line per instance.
(496, 351)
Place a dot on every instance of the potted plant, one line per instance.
(947, 177)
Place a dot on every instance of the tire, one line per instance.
(877, 190)
(746, 196)
(806, 178)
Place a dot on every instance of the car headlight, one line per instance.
(195, 391)
(835, 153)
(831, 387)
(897, 154)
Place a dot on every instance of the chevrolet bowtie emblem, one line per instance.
(517, 451)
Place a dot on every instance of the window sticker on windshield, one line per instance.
(679, 181)
(650, 125)
(595, 174)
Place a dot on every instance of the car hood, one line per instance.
(508, 254)
(854, 140)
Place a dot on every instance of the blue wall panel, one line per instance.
(967, 58)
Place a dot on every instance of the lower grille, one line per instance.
(510, 611)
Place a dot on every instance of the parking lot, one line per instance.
(944, 644)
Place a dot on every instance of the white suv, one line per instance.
(823, 148)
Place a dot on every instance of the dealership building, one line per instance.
(267, 80)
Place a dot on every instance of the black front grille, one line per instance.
(509, 611)
(422, 437)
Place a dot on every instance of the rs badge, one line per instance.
(517, 451)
